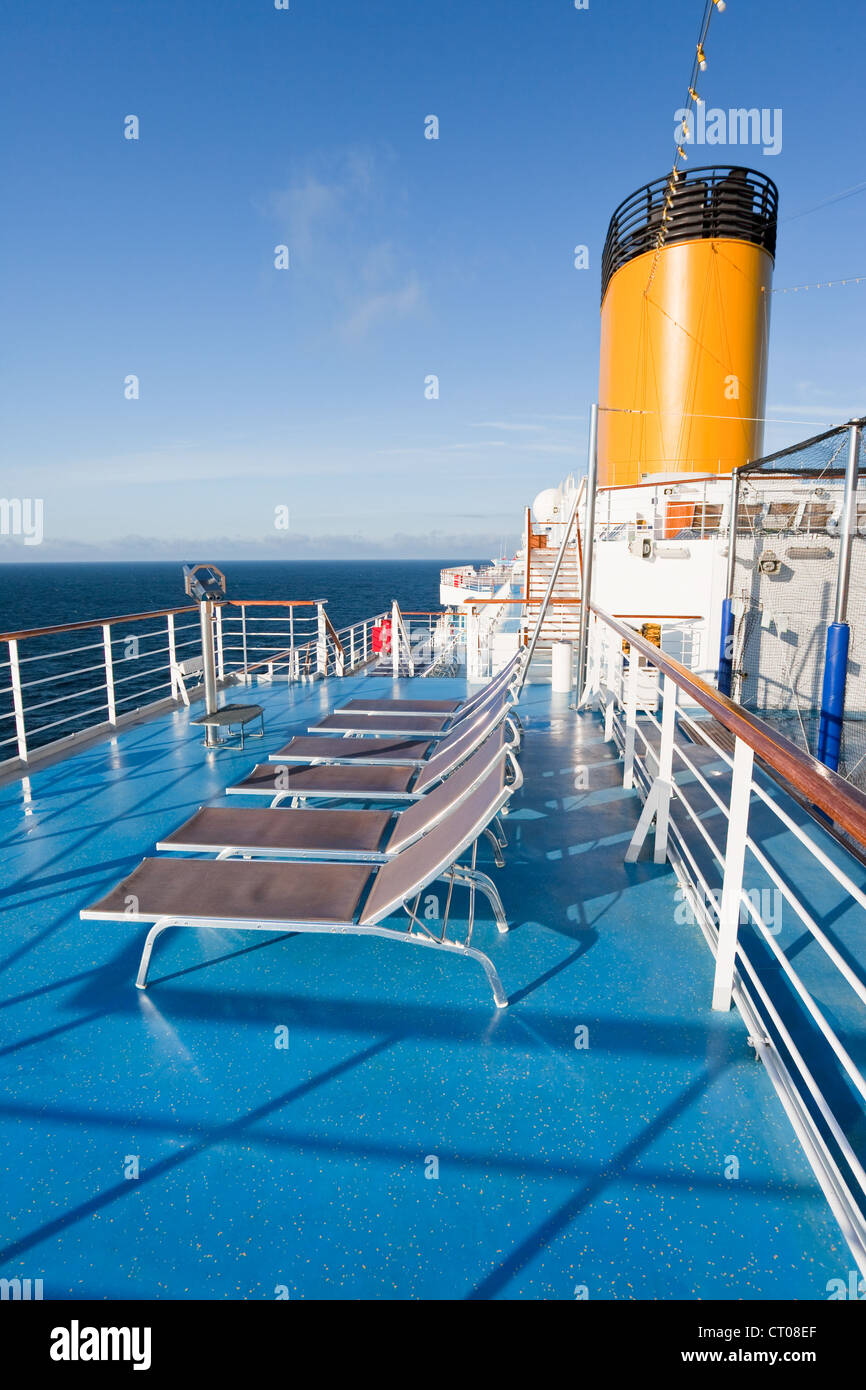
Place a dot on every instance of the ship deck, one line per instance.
(561, 1169)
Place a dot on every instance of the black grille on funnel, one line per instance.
(716, 201)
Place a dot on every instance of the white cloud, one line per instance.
(444, 545)
(324, 216)
(385, 304)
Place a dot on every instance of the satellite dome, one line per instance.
(547, 506)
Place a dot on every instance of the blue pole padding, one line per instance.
(833, 694)
(726, 648)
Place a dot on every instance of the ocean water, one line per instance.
(63, 674)
(35, 595)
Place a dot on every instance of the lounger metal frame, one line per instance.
(357, 729)
(382, 707)
(278, 797)
(450, 871)
(494, 832)
(495, 689)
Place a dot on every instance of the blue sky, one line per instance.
(304, 388)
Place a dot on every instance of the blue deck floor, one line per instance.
(304, 1168)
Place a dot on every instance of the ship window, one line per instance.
(780, 516)
(816, 515)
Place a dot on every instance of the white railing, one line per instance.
(731, 882)
(699, 508)
(429, 639)
(58, 683)
(444, 642)
(55, 682)
(478, 581)
(294, 641)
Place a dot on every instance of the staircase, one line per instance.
(562, 619)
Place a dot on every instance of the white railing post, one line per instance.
(657, 805)
(244, 640)
(593, 658)
(294, 659)
(473, 653)
(630, 718)
(17, 699)
(664, 781)
(109, 673)
(321, 641)
(395, 640)
(735, 853)
(609, 680)
(351, 649)
(221, 670)
(172, 655)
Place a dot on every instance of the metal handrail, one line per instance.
(93, 622)
(322, 650)
(838, 799)
(665, 482)
(827, 1132)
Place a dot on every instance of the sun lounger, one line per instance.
(282, 781)
(372, 836)
(430, 726)
(453, 708)
(381, 752)
(396, 752)
(283, 897)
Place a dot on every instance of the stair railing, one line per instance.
(554, 575)
(400, 635)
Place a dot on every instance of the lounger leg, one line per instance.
(486, 886)
(517, 732)
(155, 931)
(492, 976)
(471, 878)
(497, 848)
(484, 961)
(498, 828)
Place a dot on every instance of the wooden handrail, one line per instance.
(669, 482)
(329, 628)
(156, 613)
(95, 622)
(841, 801)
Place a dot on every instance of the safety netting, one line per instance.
(785, 578)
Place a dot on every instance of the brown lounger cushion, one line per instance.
(329, 779)
(405, 706)
(442, 799)
(255, 827)
(384, 723)
(251, 890)
(420, 863)
(314, 747)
